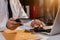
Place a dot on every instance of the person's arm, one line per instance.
(3, 24)
(8, 23)
(12, 24)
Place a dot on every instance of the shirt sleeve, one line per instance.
(17, 9)
(3, 24)
(3, 14)
(22, 12)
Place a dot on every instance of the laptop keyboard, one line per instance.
(40, 30)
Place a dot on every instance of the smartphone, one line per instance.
(18, 20)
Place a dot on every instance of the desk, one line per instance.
(45, 37)
(1, 36)
(16, 36)
(26, 26)
(19, 35)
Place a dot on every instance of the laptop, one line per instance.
(56, 26)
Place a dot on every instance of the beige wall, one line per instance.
(48, 9)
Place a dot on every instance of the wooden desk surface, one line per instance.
(19, 35)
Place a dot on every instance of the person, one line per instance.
(17, 11)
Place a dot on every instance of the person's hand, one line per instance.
(37, 23)
(12, 24)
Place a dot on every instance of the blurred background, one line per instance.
(45, 10)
